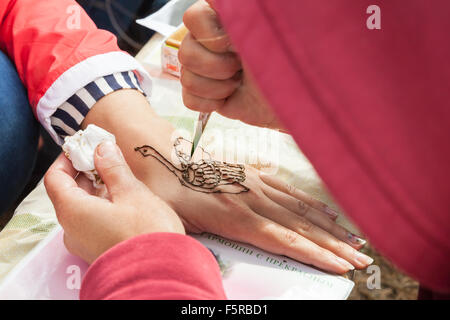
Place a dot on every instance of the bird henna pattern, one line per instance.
(206, 175)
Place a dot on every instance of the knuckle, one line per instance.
(336, 229)
(239, 211)
(303, 208)
(232, 202)
(219, 44)
(217, 104)
(229, 64)
(120, 177)
(290, 189)
(184, 55)
(113, 169)
(291, 238)
(189, 101)
(226, 73)
(306, 226)
(228, 89)
(197, 103)
(255, 197)
(186, 81)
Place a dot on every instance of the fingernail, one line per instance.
(333, 214)
(354, 239)
(363, 259)
(345, 263)
(108, 149)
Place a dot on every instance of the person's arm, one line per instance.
(158, 266)
(58, 50)
(271, 215)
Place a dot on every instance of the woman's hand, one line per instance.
(271, 215)
(91, 224)
(212, 75)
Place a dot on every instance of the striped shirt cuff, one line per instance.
(67, 118)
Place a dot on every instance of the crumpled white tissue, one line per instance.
(80, 149)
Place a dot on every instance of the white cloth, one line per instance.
(80, 149)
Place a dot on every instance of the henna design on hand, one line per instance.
(206, 175)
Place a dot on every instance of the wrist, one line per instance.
(128, 115)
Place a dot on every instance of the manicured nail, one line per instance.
(108, 149)
(333, 214)
(363, 259)
(354, 239)
(345, 263)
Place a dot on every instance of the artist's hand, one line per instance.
(213, 77)
(91, 224)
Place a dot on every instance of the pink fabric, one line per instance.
(154, 266)
(369, 108)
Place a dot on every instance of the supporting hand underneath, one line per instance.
(91, 224)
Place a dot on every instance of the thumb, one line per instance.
(113, 170)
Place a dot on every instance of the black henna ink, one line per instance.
(205, 176)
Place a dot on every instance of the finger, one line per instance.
(278, 239)
(198, 59)
(64, 164)
(315, 216)
(208, 88)
(66, 195)
(60, 184)
(297, 193)
(204, 24)
(114, 171)
(199, 104)
(307, 229)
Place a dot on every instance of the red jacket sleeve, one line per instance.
(155, 266)
(57, 50)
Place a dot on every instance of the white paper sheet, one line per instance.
(168, 18)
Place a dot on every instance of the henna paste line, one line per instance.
(207, 176)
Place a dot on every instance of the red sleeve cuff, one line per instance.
(154, 266)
